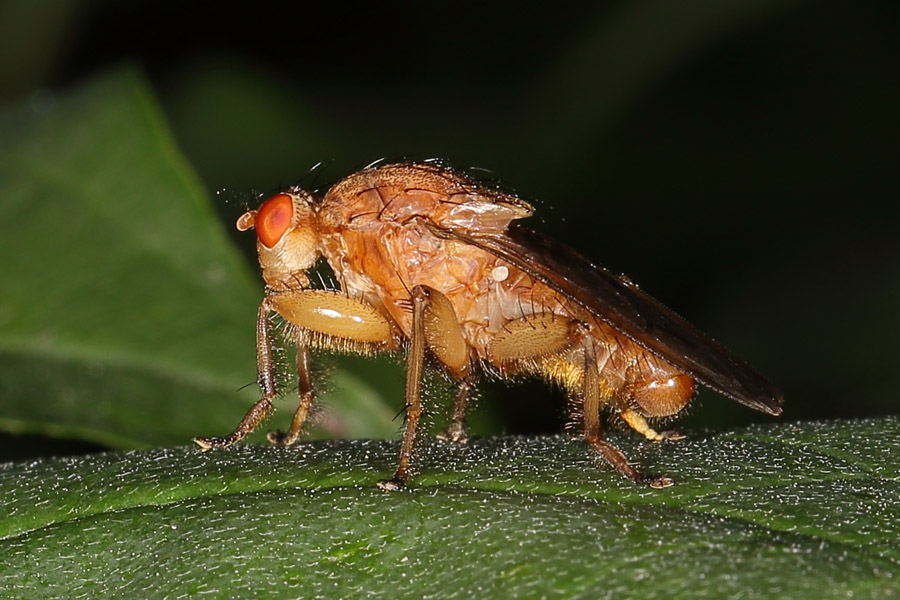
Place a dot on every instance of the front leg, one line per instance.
(325, 319)
(307, 400)
(266, 377)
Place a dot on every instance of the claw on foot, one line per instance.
(277, 438)
(456, 435)
(209, 443)
(659, 483)
(391, 485)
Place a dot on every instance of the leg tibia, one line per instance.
(456, 431)
(307, 400)
(414, 363)
(266, 378)
(593, 433)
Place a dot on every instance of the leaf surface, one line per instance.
(799, 511)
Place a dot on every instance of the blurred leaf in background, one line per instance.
(127, 316)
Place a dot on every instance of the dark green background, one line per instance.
(737, 159)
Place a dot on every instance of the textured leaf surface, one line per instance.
(796, 511)
(126, 315)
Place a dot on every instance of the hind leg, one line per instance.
(637, 422)
(593, 432)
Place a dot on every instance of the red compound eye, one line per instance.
(274, 218)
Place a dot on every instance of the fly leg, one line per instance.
(307, 399)
(637, 422)
(331, 320)
(414, 362)
(539, 335)
(593, 432)
(445, 339)
(434, 323)
(456, 431)
(266, 377)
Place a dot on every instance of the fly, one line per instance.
(432, 261)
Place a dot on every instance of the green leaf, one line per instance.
(793, 511)
(126, 315)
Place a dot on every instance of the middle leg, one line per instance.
(414, 365)
(434, 324)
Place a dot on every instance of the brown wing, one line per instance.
(620, 303)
